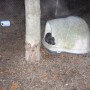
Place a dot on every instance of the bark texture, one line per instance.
(32, 10)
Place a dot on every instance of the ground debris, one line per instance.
(15, 85)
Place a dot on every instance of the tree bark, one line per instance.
(32, 13)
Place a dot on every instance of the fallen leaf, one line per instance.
(15, 85)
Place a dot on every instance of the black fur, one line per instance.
(49, 39)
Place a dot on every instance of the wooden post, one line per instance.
(32, 13)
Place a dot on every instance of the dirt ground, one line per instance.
(53, 72)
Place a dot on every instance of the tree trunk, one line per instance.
(32, 11)
(61, 8)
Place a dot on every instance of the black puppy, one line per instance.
(49, 39)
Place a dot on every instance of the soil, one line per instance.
(53, 72)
